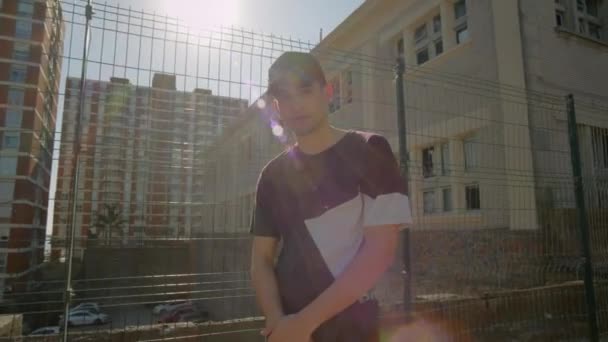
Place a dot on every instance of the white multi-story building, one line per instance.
(485, 88)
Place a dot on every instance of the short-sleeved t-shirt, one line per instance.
(320, 205)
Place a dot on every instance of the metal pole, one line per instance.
(583, 221)
(403, 164)
(76, 173)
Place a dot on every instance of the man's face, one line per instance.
(302, 104)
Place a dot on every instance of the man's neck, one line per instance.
(320, 140)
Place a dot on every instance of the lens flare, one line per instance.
(277, 130)
(261, 103)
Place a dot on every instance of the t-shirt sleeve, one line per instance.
(262, 223)
(384, 191)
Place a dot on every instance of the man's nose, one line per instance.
(297, 103)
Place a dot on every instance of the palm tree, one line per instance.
(111, 219)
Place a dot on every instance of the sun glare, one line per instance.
(204, 13)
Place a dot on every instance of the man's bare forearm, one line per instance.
(365, 270)
(267, 292)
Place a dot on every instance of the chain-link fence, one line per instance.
(170, 128)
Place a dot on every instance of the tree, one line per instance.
(108, 220)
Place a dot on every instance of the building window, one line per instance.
(438, 47)
(422, 56)
(420, 33)
(13, 118)
(8, 166)
(582, 26)
(594, 30)
(3, 257)
(428, 45)
(334, 103)
(580, 5)
(461, 26)
(4, 235)
(428, 198)
(587, 19)
(472, 197)
(560, 18)
(445, 159)
(15, 97)
(471, 153)
(23, 29)
(462, 34)
(591, 7)
(7, 189)
(460, 9)
(437, 24)
(427, 162)
(21, 51)
(446, 195)
(10, 141)
(25, 8)
(18, 73)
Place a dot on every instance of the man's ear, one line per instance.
(276, 111)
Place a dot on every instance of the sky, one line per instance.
(295, 19)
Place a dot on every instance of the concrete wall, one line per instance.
(559, 62)
(10, 325)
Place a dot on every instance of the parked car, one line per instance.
(94, 307)
(46, 331)
(90, 309)
(83, 317)
(167, 307)
(173, 316)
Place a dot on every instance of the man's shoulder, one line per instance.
(275, 166)
(370, 138)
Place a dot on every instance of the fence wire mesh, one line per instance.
(176, 128)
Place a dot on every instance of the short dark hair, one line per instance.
(303, 64)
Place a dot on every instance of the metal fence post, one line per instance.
(76, 175)
(583, 221)
(403, 164)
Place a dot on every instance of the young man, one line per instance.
(336, 201)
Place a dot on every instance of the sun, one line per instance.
(204, 13)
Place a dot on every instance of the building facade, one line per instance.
(485, 87)
(138, 148)
(31, 43)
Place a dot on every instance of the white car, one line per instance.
(86, 306)
(83, 317)
(167, 307)
(46, 331)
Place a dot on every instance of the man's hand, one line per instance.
(291, 328)
(271, 323)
